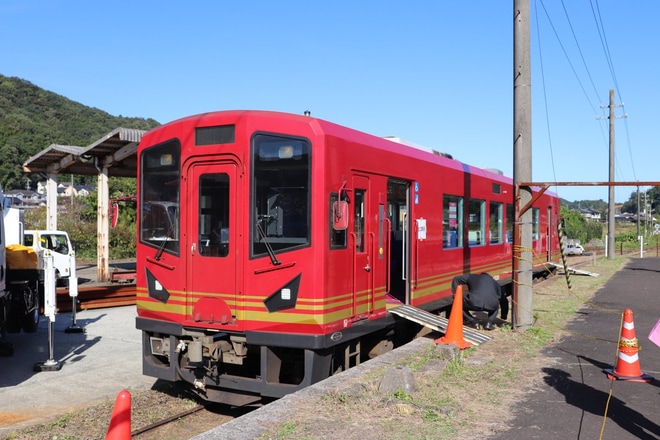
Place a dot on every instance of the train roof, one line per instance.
(389, 143)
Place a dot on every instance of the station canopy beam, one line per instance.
(114, 155)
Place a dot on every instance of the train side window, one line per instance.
(452, 222)
(509, 223)
(476, 222)
(496, 222)
(337, 236)
(358, 220)
(535, 223)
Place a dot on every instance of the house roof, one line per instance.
(21, 193)
(117, 151)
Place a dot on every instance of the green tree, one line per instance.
(653, 198)
(630, 206)
(576, 227)
(10, 175)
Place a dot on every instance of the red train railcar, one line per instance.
(271, 246)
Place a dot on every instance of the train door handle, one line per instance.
(367, 268)
(192, 248)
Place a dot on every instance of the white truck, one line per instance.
(573, 247)
(59, 244)
(21, 280)
(22, 271)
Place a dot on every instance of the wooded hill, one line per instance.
(32, 118)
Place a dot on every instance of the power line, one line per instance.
(606, 49)
(597, 16)
(603, 41)
(579, 48)
(568, 59)
(545, 96)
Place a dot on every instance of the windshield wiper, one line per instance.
(269, 248)
(161, 248)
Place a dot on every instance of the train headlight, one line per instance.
(159, 346)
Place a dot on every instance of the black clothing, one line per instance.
(483, 293)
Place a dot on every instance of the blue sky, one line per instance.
(435, 72)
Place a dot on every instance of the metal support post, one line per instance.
(73, 293)
(50, 308)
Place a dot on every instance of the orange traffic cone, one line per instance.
(120, 422)
(454, 333)
(627, 364)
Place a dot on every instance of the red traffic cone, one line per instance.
(120, 422)
(454, 333)
(627, 364)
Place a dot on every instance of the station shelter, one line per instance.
(114, 155)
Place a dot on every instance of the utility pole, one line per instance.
(638, 236)
(610, 205)
(522, 168)
(646, 213)
(610, 202)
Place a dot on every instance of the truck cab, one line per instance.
(58, 243)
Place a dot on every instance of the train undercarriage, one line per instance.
(230, 369)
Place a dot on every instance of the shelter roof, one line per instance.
(117, 151)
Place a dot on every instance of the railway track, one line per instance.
(189, 422)
(152, 428)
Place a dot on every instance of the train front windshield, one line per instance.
(159, 198)
(280, 193)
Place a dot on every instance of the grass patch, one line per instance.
(286, 431)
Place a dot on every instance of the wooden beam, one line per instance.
(103, 225)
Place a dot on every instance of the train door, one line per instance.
(398, 204)
(363, 245)
(213, 251)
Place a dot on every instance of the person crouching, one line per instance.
(483, 294)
